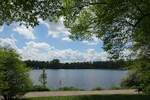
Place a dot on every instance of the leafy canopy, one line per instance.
(120, 24)
(14, 76)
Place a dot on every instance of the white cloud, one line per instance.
(90, 42)
(28, 33)
(35, 51)
(92, 55)
(44, 51)
(8, 42)
(56, 29)
(66, 39)
(1, 28)
(93, 41)
(39, 45)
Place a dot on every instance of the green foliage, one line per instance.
(55, 62)
(131, 81)
(39, 88)
(28, 12)
(140, 75)
(14, 76)
(121, 24)
(147, 89)
(97, 88)
(116, 88)
(116, 65)
(69, 89)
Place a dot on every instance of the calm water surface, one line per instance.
(81, 78)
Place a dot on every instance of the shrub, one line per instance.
(116, 88)
(69, 89)
(147, 89)
(39, 88)
(97, 88)
(131, 81)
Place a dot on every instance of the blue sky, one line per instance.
(50, 41)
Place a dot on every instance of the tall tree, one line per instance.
(14, 76)
(121, 24)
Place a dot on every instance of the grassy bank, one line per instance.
(96, 97)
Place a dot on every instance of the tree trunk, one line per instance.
(7, 97)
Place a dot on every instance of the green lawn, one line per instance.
(96, 97)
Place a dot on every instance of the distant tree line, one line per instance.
(55, 64)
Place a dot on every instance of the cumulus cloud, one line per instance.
(44, 51)
(35, 51)
(94, 41)
(58, 30)
(8, 42)
(55, 29)
(90, 42)
(66, 39)
(28, 33)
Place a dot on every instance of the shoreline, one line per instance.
(79, 93)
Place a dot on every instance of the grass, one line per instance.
(96, 97)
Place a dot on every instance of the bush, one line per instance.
(39, 88)
(116, 88)
(69, 89)
(147, 90)
(132, 80)
(97, 88)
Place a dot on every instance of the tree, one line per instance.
(43, 78)
(27, 12)
(55, 62)
(121, 24)
(14, 76)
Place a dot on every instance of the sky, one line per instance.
(49, 40)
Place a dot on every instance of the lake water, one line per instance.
(80, 78)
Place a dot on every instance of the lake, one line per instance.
(80, 78)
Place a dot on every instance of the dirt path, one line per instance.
(75, 93)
